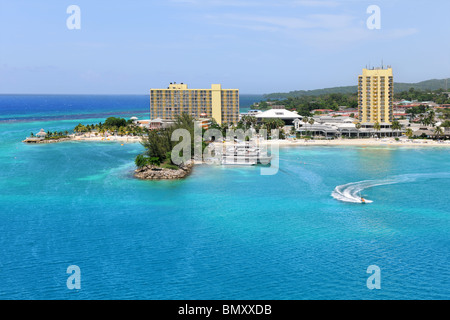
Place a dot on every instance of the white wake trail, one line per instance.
(350, 192)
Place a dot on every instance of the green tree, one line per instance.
(305, 120)
(158, 143)
(272, 124)
(115, 122)
(358, 127)
(156, 161)
(80, 128)
(438, 131)
(396, 126)
(377, 126)
(409, 133)
(141, 161)
(431, 118)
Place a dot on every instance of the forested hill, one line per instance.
(433, 84)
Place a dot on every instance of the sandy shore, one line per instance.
(361, 142)
(126, 139)
(300, 142)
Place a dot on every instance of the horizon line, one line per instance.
(255, 94)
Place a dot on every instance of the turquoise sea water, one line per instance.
(222, 233)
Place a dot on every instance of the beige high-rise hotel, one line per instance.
(216, 103)
(375, 96)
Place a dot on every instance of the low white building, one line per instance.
(287, 116)
(41, 134)
(335, 127)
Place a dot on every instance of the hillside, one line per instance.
(433, 84)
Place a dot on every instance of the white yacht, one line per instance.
(245, 154)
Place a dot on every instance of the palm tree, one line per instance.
(431, 116)
(293, 132)
(358, 127)
(396, 126)
(423, 120)
(80, 128)
(409, 133)
(377, 126)
(248, 120)
(311, 122)
(305, 120)
(438, 132)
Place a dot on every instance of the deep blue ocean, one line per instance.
(222, 233)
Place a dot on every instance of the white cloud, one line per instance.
(315, 21)
(321, 31)
(221, 3)
(315, 3)
(401, 33)
(260, 3)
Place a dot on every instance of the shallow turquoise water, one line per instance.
(223, 233)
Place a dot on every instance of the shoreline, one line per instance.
(361, 143)
(128, 139)
(368, 142)
(352, 142)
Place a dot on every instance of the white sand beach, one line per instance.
(371, 142)
(123, 139)
(362, 142)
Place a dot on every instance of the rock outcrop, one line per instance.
(152, 172)
(37, 140)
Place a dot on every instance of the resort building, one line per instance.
(154, 124)
(216, 103)
(287, 116)
(342, 127)
(375, 96)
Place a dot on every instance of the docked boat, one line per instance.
(245, 154)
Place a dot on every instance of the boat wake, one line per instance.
(350, 192)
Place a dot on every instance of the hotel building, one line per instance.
(375, 96)
(216, 103)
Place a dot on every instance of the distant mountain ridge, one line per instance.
(433, 84)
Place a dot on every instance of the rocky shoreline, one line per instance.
(152, 172)
(38, 141)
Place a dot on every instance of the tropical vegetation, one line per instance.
(158, 144)
(112, 126)
(424, 86)
(305, 103)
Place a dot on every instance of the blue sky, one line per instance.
(257, 46)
